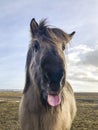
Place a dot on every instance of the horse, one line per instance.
(48, 101)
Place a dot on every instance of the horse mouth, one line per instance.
(51, 98)
(54, 99)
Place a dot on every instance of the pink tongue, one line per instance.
(54, 100)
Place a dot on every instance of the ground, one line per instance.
(86, 119)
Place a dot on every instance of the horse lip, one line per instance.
(53, 93)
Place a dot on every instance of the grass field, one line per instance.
(86, 119)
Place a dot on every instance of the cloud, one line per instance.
(91, 57)
(84, 55)
(81, 68)
(76, 54)
(79, 86)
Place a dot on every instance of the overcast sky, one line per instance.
(69, 15)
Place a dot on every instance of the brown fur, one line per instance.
(33, 115)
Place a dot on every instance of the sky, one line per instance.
(69, 15)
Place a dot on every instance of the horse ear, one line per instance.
(71, 36)
(33, 27)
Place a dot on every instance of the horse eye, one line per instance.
(36, 46)
(63, 47)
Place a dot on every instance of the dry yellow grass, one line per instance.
(86, 119)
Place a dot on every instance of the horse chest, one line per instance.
(48, 122)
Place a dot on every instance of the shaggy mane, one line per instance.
(51, 33)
